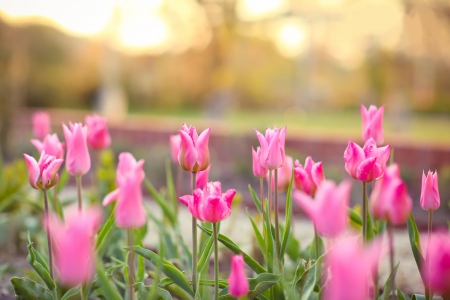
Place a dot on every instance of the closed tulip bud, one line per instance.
(74, 246)
(372, 123)
(175, 141)
(129, 211)
(258, 169)
(202, 178)
(309, 177)
(284, 174)
(51, 145)
(194, 153)
(237, 282)
(429, 196)
(97, 132)
(367, 163)
(43, 175)
(329, 209)
(437, 266)
(78, 161)
(41, 124)
(390, 200)
(350, 267)
(272, 147)
(210, 204)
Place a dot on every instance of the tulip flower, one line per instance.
(97, 132)
(43, 175)
(175, 141)
(202, 178)
(78, 161)
(367, 163)
(41, 124)
(310, 176)
(51, 145)
(194, 153)
(390, 200)
(372, 123)
(258, 170)
(284, 174)
(350, 267)
(73, 244)
(237, 282)
(129, 212)
(272, 147)
(429, 197)
(329, 209)
(210, 204)
(438, 263)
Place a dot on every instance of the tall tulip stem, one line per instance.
(194, 239)
(130, 264)
(277, 232)
(391, 252)
(316, 242)
(364, 212)
(428, 292)
(49, 242)
(216, 262)
(80, 199)
(261, 191)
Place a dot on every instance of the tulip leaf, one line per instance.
(39, 265)
(166, 267)
(70, 293)
(307, 275)
(26, 289)
(414, 240)
(142, 292)
(63, 179)
(258, 285)
(354, 216)
(418, 297)
(288, 215)
(370, 227)
(171, 194)
(236, 250)
(35, 255)
(222, 283)
(389, 284)
(161, 202)
(206, 255)
(141, 262)
(402, 296)
(269, 239)
(255, 198)
(103, 237)
(259, 237)
(56, 204)
(105, 285)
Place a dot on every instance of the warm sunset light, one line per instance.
(291, 37)
(257, 9)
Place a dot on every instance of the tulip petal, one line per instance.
(33, 170)
(306, 203)
(201, 145)
(317, 173)
(264, 147)
(188, 154)
(274, 159)
(367, 170)
(114, 195)
(353, 156)
(228, 196)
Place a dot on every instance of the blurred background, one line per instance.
(234, 65)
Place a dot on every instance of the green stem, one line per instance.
(428, 292)
(277, 232)
(80, 200)
(82, 287)
(364, 212)
(269, 208)
(216, 262)
(47, 227)
(261, 187)
(194, 240)
(316, 242)
(391, 253)
(130, 264)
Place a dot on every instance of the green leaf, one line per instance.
(103, 237)
(171, 188)
(142, 292)
(206, 255)
(222, 283)
(370, 226)
(55, 204)
(166, 267)
(255, 198)
(39, 265)
(307, 275)
(26, 289)
(106, 287)
(414, 240)
(70, 293)
(259, 238)
(63, 179)
(269, 239)
(288, 214)
(354, 216)
(388, 285)
(141, 262)
(161, 202)
(418, 297)
(236, 250)
(402, 296)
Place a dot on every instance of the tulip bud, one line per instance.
(175, 141)
(43, 175)
(51, 145)
(272, 147)
(429, 196)
(41, 124)
(237, 282)
(202, 178)
(194, 153)
(97, 132)
(372, 123)
(78, 161)
(307, 178)
(258, 170)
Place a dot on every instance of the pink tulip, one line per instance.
(237, 282)
(78, 161)
(372, 123)
(51, 145)
(175, 141)
(390, 200)
(438, 262)
(210, 204)
(130, 212)
(350, 268)
(310, 176)
(41, 124)
(367, 163)
(194, 153)
(429, 197)
(43, 175)
(258, 170)
(202, 178)
(272, 147)
(284, 174)
(74, 246)
(97, 132)
(329, 209)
